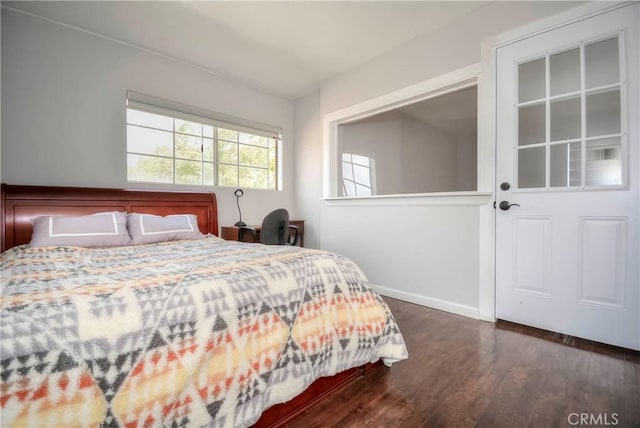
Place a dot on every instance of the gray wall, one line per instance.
(63, 109)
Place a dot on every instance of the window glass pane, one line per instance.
(565, 119)
(361, 160)
(602, 63)
(603, 113)
(149, 141)
(149, 169)
(255, 140)
(273, 183)
(207, 131)
(207, 149)
(604, 162)
(347, 170)
(531, 167)
(362, 174)
(191, 128)
(253, 156)
(253, 177)
(564, 72)
(207, 174)
(188, 172)
(150, 120)
(531, 80)
(565, 165)
(363, 190)
(188, 147)
(273, 179)
(349, 188)
(531, 124)
(227, 175)
(227, 152)
(228, 135)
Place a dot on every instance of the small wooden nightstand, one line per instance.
(230, 233)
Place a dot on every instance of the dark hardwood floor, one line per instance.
(465, 373)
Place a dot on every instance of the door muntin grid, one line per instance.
(569, 111)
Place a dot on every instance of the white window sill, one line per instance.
(442, 198)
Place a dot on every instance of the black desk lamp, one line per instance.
(238, 193)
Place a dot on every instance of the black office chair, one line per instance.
(275, 230)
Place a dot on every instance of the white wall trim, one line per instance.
(431, 302)
(487, 136)
(417, 199)
(455, 80)
(560, 19)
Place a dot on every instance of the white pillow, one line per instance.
(106, 229)
(148, 228)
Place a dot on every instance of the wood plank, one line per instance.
(464, 372)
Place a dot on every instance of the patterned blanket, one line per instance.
(185, 333)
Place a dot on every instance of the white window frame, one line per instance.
(457, 80)
(149, 104)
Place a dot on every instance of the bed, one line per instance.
(178, 333)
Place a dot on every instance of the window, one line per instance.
(425, 146)
(358, 175)
(175, 147)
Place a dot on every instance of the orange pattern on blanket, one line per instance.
(179, 334)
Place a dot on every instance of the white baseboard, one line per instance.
(431, 302)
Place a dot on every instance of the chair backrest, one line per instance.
(275, 228)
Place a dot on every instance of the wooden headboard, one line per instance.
(20, 204)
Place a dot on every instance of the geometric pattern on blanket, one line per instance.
(180, 333)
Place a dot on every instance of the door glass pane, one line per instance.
(531, 80)
(565, 119)
(604, 165)
(603, 113)
(531, 167)
(531, 124)
(602, 63)
(564, 72)
(565, 164)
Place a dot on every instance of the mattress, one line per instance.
(206, 332)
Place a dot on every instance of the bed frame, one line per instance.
(20, 204)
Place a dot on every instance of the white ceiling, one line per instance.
(286, 48)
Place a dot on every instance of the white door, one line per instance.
(567, 153)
